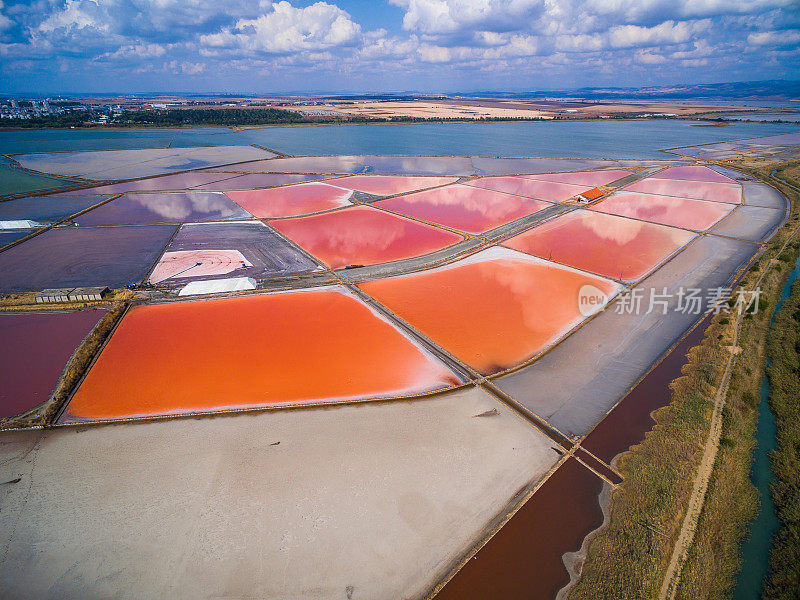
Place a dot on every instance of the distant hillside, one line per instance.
(762, 90)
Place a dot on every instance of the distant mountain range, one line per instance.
(775, 89)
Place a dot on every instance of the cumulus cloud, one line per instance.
(668, 32)
(448, 16)
(286, 29)
(775, 38)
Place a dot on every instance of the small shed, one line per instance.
(593, 194)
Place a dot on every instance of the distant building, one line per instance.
(80, 294)
(88, 293)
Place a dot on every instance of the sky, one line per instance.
(339, 46)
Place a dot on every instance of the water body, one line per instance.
(581, 139)
(756, 548)
(14, 181)
(794, 117)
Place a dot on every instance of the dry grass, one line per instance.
(628, 558)
(26, 302)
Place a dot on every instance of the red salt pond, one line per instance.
(386, 185)
(604, 244)
(586, 178)
(631, 419)
(531, 188)
(699, 190)
(693, 173)
(291, 200)
(364, 236)
(36, 348)
(464, 207)
(523, 561)
(493, 310)
(312, 346)
(679, 212)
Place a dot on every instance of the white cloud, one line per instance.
(76, 14)
(288, 29)
(448, 16)
(668, 32)
(775, 38)
(135, 51)
(5, 22)
(434, 54)
(647, 57)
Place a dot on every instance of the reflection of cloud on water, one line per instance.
(617, 230)
(181, 206)
(621, 231)
(545, 297)
(488, 203)
(353, 236)
(680, 212)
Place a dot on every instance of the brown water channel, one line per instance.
(525, 558)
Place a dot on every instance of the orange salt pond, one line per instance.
(291, 200)
(464, 207)
(587, 178)
(604, 244)
(678, 212)
(698, 190)
(386, 185)
(306, 347)
(364, 236)
(493, 310)
(531, 188)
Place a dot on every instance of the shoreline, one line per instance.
(711, 122)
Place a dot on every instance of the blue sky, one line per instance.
(237, 46)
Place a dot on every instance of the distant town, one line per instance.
(244, 111)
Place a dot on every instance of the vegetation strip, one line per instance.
(783, 349)
(629, 556)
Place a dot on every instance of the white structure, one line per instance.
(218, 286)
(19, 224)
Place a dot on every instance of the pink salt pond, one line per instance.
(363, 235)
(291, 200)
(589, 179)
(693, 173)
(602, 243)
(387, 185)
(678, 212)
(699, 190)
(530, 188)
(198, 263)
(464, 207)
